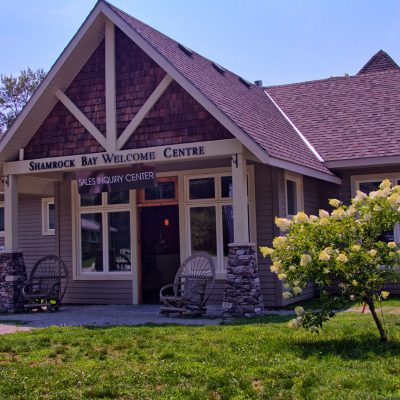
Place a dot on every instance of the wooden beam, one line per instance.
(82, 118)
(240, 212)
(111, 112)
(141, 114)
(11, 213)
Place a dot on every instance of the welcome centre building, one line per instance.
(136, 152)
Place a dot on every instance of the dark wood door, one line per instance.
(160, 258)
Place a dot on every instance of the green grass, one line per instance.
(262, 359)
(315, 303)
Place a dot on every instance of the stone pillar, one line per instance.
(242, 295)
(12, 279)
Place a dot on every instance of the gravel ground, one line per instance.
(106, 315)
(4, 329)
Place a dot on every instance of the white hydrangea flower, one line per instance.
(305, 259)
(335, 202)
(299, 310)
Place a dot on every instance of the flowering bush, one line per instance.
(343, 249)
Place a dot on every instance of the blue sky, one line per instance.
(278, 41)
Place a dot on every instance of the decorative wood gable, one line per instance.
(123, 104)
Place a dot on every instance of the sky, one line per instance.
(276, 41)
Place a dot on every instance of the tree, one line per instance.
(15, 91)
(344, 249)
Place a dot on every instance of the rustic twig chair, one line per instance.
(46, 285)
(192, 287)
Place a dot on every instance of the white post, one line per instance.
(240, 213)
(111, 112)
(11, 213)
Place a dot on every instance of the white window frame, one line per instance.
(355, 181)
(46, 230)
(1, 206)
(218, 202)
(298, 179)
(104, 209)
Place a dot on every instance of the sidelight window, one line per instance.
(210, 216)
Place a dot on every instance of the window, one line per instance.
(104, 234)
(48, 216)
(1, 219)
(166, 191)
(294, 194)
(210, 216)
(370, 183)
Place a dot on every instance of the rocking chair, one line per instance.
(192, 287)
(46, 285)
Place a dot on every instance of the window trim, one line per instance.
(298, 179)
(141, 201)
(103, 209)
(217, 202)
(46, 230)
(355, 181)
(2, 235)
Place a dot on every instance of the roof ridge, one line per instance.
(380, 61)
(335, 78)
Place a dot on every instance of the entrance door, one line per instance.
(159, 236)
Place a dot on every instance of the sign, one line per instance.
(115, 180)
(131, 157)
(115, 158)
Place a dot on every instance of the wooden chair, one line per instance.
(192, 287)
(46, 285)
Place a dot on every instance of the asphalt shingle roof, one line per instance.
(347, 117)
(248, 107)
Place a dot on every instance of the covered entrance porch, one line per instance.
(121, 247)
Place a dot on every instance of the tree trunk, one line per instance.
(378, 322)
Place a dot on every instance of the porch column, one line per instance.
(240, 213)
(11, 213)
(242, 294)
(12, 265)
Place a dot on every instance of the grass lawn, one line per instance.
(257, 359)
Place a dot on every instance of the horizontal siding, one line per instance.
(267, 180)
(217, 293)
(88, 291)
(32, 242)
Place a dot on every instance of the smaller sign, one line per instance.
(115, 180)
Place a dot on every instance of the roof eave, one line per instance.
(300, 169)
(363, 162)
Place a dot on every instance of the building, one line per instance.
(123, 101)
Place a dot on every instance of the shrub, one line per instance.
(344, 248)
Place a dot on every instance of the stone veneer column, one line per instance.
(242, 295)
(12, 279)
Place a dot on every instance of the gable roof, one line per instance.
(381, 61)
(245, 105)
(241, 107)
(347, 118)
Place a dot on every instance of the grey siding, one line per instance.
(84, 291)
(217, 293)
(311, 206)
(32, 242)
(269, 202)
